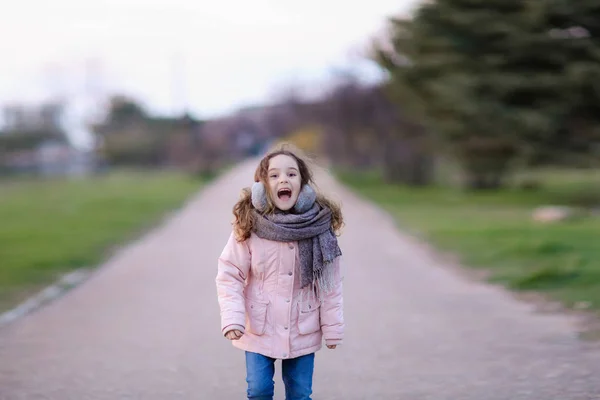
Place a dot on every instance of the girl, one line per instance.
(279, 283)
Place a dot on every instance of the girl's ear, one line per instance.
(259, 196)
(306, 199)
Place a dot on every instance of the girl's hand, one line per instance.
(234, 334)
(332, 346)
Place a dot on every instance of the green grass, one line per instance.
(48, 228)
(495, 231)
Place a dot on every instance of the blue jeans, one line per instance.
(297, 376)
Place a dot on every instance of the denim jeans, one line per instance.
(297, 376)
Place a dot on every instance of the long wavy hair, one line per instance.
(243, 210)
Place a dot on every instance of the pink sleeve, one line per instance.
(228, 328)
(332, 309)
(233, 267)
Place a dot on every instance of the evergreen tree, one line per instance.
(499, 80)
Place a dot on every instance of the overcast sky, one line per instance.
(226, 53)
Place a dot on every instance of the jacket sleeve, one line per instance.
(332, 309)
(233, 268)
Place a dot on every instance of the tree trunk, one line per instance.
(485, 181)
(406, 163)
(422, 172)
(486, 162)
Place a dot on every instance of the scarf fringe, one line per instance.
(325, 280)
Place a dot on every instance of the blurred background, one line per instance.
(475, 123)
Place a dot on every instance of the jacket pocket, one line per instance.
(309, 317)
(257, 316)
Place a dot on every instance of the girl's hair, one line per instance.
(242, 211)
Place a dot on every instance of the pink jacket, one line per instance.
(258, 287)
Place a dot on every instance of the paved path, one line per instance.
(146, 326)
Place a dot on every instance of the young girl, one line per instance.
(279, 283)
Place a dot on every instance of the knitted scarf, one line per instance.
(317, 243)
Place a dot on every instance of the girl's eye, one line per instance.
(292, 174)
(273, 176)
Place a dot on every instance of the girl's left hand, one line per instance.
(332, 346)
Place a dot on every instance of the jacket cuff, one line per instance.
(233, 327)
(333, 342)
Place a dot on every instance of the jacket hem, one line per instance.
(278, 356)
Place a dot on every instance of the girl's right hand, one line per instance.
(234, 334)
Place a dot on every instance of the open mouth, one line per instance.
(284, 194)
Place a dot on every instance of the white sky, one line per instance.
(231, 52)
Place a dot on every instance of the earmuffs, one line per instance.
(306, 198)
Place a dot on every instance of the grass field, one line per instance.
(48, 228)
(495, 231)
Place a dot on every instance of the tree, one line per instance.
(130, 136)
(359, 127)
(405, 145)
(576, 29)
(488, 78)
(123, 110)
(27, 127)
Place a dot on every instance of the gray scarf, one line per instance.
(317, 243)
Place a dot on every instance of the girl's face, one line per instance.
(284, 181)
